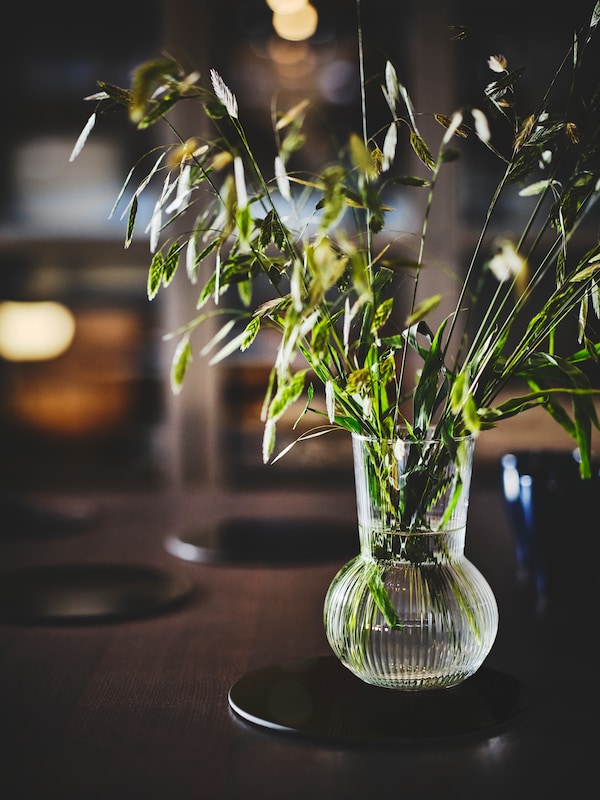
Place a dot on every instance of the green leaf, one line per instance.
(333, 203)
(207, 250)
(421, 150)
(271, 231)
(215, 109)
(251, 331)
(320, 337)
(155, 275)
(470, 416)
(361, 157)
(147, 77)
(243, 220)
(159, 110)
(400, 263)
(585, 273)
(422, 309)
(459, 392)
(452, 503)
(269, 438)
(180, 363)
(382, 313)
(171, 263)
(422, 329)
(497, 89)
(245, 292)
(121, 96)
(381, 596)
(287, 393)
(410, 180)
(359, 381)
(131, 221)
(489, 416)
(449, 154)
(447, 122)
(376, 208)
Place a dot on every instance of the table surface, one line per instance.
(139, 708)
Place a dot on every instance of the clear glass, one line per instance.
(410, 611)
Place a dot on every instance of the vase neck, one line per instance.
(412, 486)
(415, 548)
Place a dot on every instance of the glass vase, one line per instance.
(411, 611)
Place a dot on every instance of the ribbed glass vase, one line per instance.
(410, 611)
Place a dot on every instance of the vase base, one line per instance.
(426, 683)
(320, 698)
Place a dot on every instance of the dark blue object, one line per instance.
(552, 512)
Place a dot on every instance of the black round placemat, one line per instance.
(320, 698)
(87, 593)
(266, 541)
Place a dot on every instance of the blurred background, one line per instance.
(84, 396)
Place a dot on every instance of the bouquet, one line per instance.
(305, 255)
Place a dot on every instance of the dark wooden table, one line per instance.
(138, 708)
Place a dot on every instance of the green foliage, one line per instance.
(337, 293)
(181, 363)
(381, 597)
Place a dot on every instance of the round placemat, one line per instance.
(266, 541)
(320, 698)
(88, 592)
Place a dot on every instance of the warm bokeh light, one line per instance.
(286, 6)
(298, 26)
(285, 54)
(293, 61)
(34, 331)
